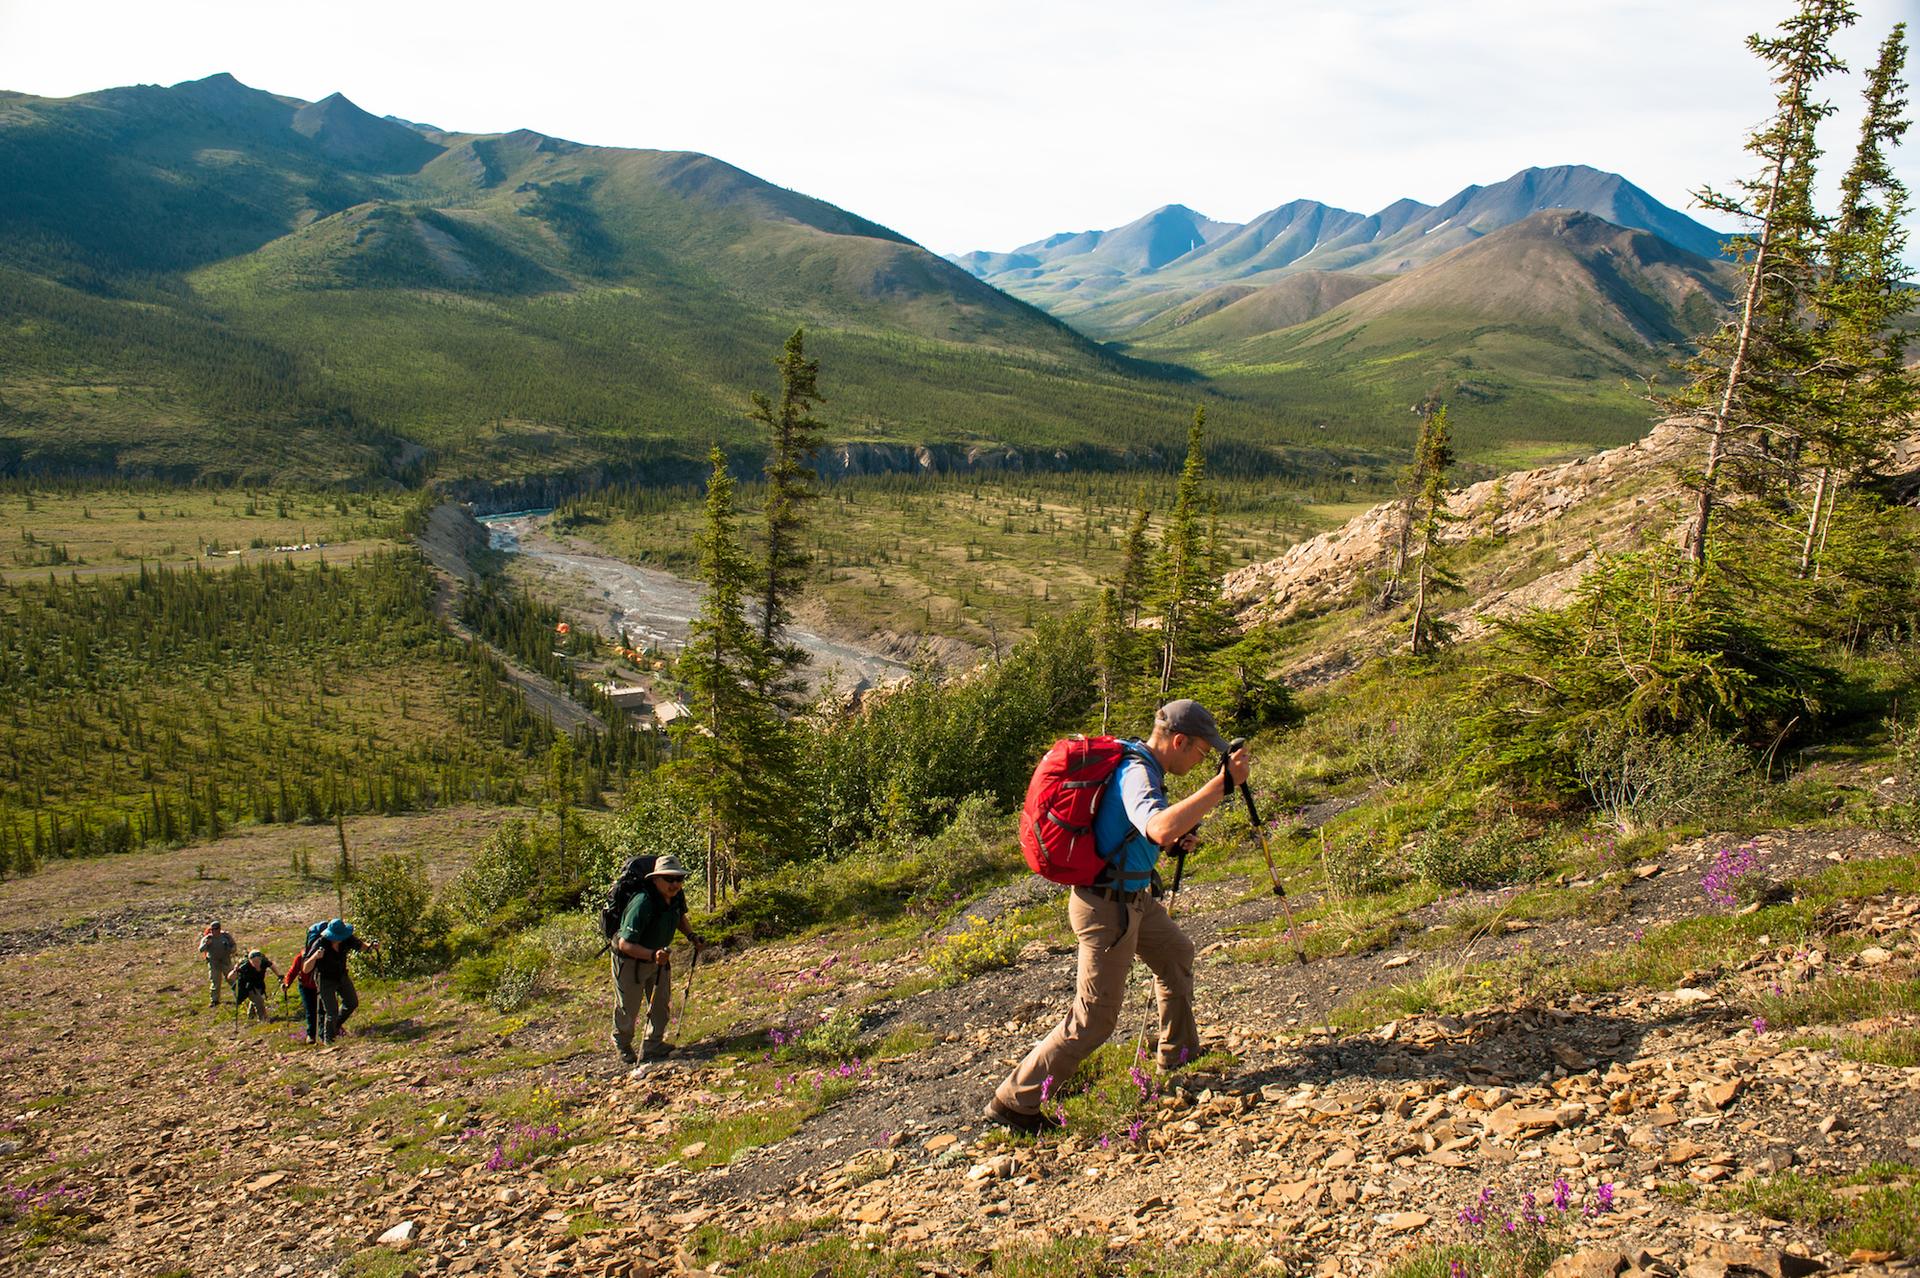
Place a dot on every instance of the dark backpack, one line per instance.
(1056, 822)
(632, 878)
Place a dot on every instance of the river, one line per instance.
(652, 606)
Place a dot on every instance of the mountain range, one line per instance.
(212, 281)
(1108, 283)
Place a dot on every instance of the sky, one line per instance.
(993, 123)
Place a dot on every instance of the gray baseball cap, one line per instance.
(1193, 719)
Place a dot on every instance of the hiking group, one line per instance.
(327, 994)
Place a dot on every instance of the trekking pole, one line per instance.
(1273, 875)
(686, 995)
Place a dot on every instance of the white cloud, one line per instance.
(986, 124)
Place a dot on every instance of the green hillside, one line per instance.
(212, 281)
(1541, 334)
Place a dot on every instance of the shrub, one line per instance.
(1356, 864)
(1646, 647)
(529, 870)
(519, 978)
(392, 901)
(882, 880)
(1644, 781)
(504, 871)
(900, 764)
(504, 980)
(1501, 853)
(567, 938)
(979, 947)
(835, 1039)
(660, 818)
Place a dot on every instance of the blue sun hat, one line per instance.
(338, 930)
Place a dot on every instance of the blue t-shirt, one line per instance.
(1137, 790)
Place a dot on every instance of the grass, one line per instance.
(1662, 957)
(378, 1262)
(1899, 1047)
(726, 1138)
(1837, 999)
(1875, 1209)
(114, 529)
(804, 1248)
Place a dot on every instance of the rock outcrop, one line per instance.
(1596, 503)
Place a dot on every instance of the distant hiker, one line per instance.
(1118, 918)
(249, 978)
(216, 947)
(327, 960)
(642, 958)
(298, 970)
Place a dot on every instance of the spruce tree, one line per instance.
(1746, 378)
(1136, 566)
(724, 668)
(1864, 393)
(1433, 459)
(793, 438)
(1189, 592)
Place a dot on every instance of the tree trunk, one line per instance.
(1826, 526)
(1392, 591)
(1813, 521)
(1703, 512)
(1417, 641)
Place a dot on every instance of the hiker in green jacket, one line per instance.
(642, 959)
(216, 947)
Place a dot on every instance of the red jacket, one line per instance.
(297, 970)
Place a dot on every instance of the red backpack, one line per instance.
(1056, 822)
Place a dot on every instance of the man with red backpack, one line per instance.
(1115, 914)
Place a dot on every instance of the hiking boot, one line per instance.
(656, 1051)
(626, 1051)
(1015, 1121)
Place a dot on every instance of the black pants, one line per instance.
(310, 1004)
(337, 1002)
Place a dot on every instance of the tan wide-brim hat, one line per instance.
(668, 867)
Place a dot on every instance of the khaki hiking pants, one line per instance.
(256, 1005)
(216, 976)
(638, 983)
(1111, 935)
